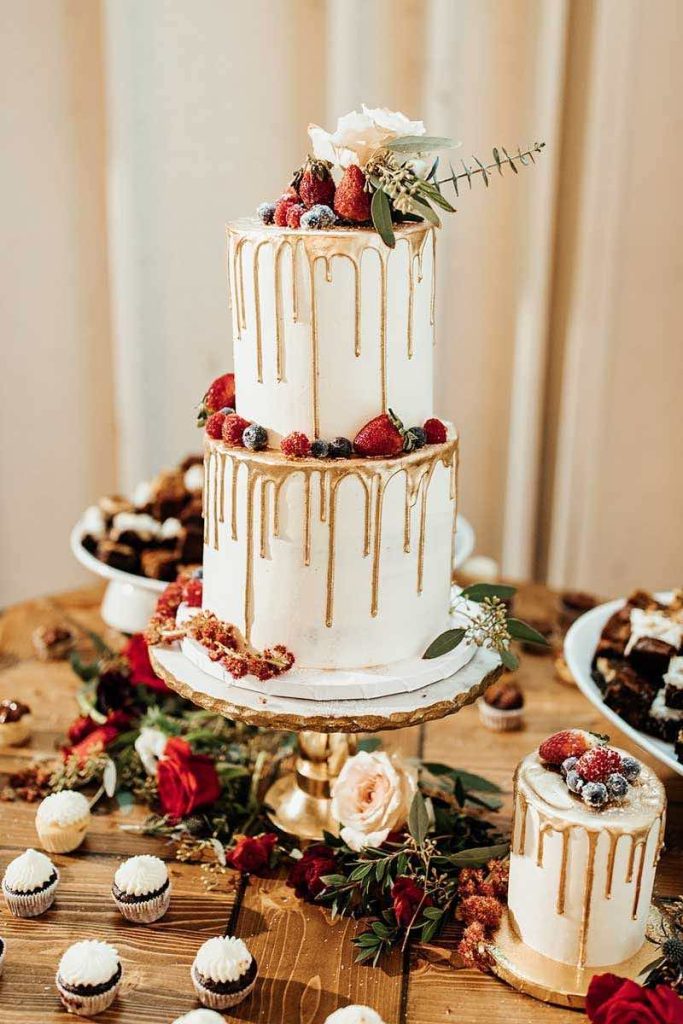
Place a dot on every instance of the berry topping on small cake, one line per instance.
(630, 768)
(289, 198)
(294, 214)
(214, 425)
(320, 449)
(568, 743)
(595, 794)
(318, 218)
(598, 763)
(221, 393)
(266, 212)
(352, 200)
(192, 593)
(383, 435)
(435, 431)
(416, 438)
(296, 445)
(340, 448)
(617, 785)
(314, 182)
(255, 437)
(233, 430)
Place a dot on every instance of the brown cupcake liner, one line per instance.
(146, 911)
(86, 1006)
(31, 904)
(220, 1000)
(498, 719)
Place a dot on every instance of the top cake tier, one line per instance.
(331, 327)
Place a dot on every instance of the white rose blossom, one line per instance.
(372, 797)
(359, 135)
(150, 746)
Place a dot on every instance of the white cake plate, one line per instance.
(129, 599)
(579, 648)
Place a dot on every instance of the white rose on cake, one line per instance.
(359, 135)
(372, 797)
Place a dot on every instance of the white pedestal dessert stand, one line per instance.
(300, 802)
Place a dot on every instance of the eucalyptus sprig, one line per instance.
(399, 192)
(492, 628)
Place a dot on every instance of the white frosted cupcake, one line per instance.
(354, 1015)
(200, 1017)
(142, 889)
(3, 950)
(30, 884)
(223, 972)
(62, 821)
(88, 977)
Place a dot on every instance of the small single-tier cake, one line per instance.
(587, 831)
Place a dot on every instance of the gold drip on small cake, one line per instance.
(261, 508)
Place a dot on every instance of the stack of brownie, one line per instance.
(157, 532)
(639, 668)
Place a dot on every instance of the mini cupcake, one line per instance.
(62, 821)
(30, 884)
(15, 723)
(88, 977)
(354, 1015)
(500, 709)
(200, 1017)
(3, 950)
(142, 889)
(223, 972)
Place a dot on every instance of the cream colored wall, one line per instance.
(134, 130)
(58, 445)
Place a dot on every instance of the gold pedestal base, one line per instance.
(299, 803)
(549, 980)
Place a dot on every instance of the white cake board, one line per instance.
(393, 711)
(405, 676)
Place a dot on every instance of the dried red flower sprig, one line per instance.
(224, 644)
(482, 894)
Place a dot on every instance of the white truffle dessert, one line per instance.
(586, 837)
(355, 1014)
(62, 821)
(29, 884)
(88, 977)
(142, 889)
(202, 1016)
(224, 972)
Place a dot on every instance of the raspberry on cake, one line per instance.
(569, 743)
(296, 445)
(435, 431)
(598, 763)
(233, 430)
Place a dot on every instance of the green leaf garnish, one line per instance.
(419, 143)
(380, 211)
(510, 660)
(522, 631)
(418, 819)
(444, 643)
(480, 591)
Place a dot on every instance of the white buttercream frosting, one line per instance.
(354, 1015)
(200, 1017)
(223, 958)
(659, 709)
(194, 478)
(141, 875)
(654, 625)
(29, 871)
(63, 808)
(93, 521)
(142, 495)
(674, 675)
(170, 528)
(88, 963)
(136, 522)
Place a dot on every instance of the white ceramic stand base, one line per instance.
(299, 803)
(549, 980)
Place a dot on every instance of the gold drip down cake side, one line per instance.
(581, 878)
(346, 561)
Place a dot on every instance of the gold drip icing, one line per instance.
(637, 837)
(269, 472)
(347, 244)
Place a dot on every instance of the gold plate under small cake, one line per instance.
(549, 980)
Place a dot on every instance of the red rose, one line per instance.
(305, 876)
(614, 1000)
(252, 853)
(185, 780)
(80, 728)
(407, 896)
(141, 671)
(89, 739)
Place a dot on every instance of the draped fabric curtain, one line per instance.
(133, 131)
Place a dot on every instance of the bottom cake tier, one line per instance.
(346, 562)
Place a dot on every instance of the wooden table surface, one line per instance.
(305, 961)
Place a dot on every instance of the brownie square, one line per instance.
(630, 696)
(650, 658)
(118, 556)
(673, 696)
(160, 565)
(191, 547)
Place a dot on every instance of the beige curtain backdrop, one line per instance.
(131, 131)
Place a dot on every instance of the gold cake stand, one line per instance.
(299, 801)
(549, 980)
